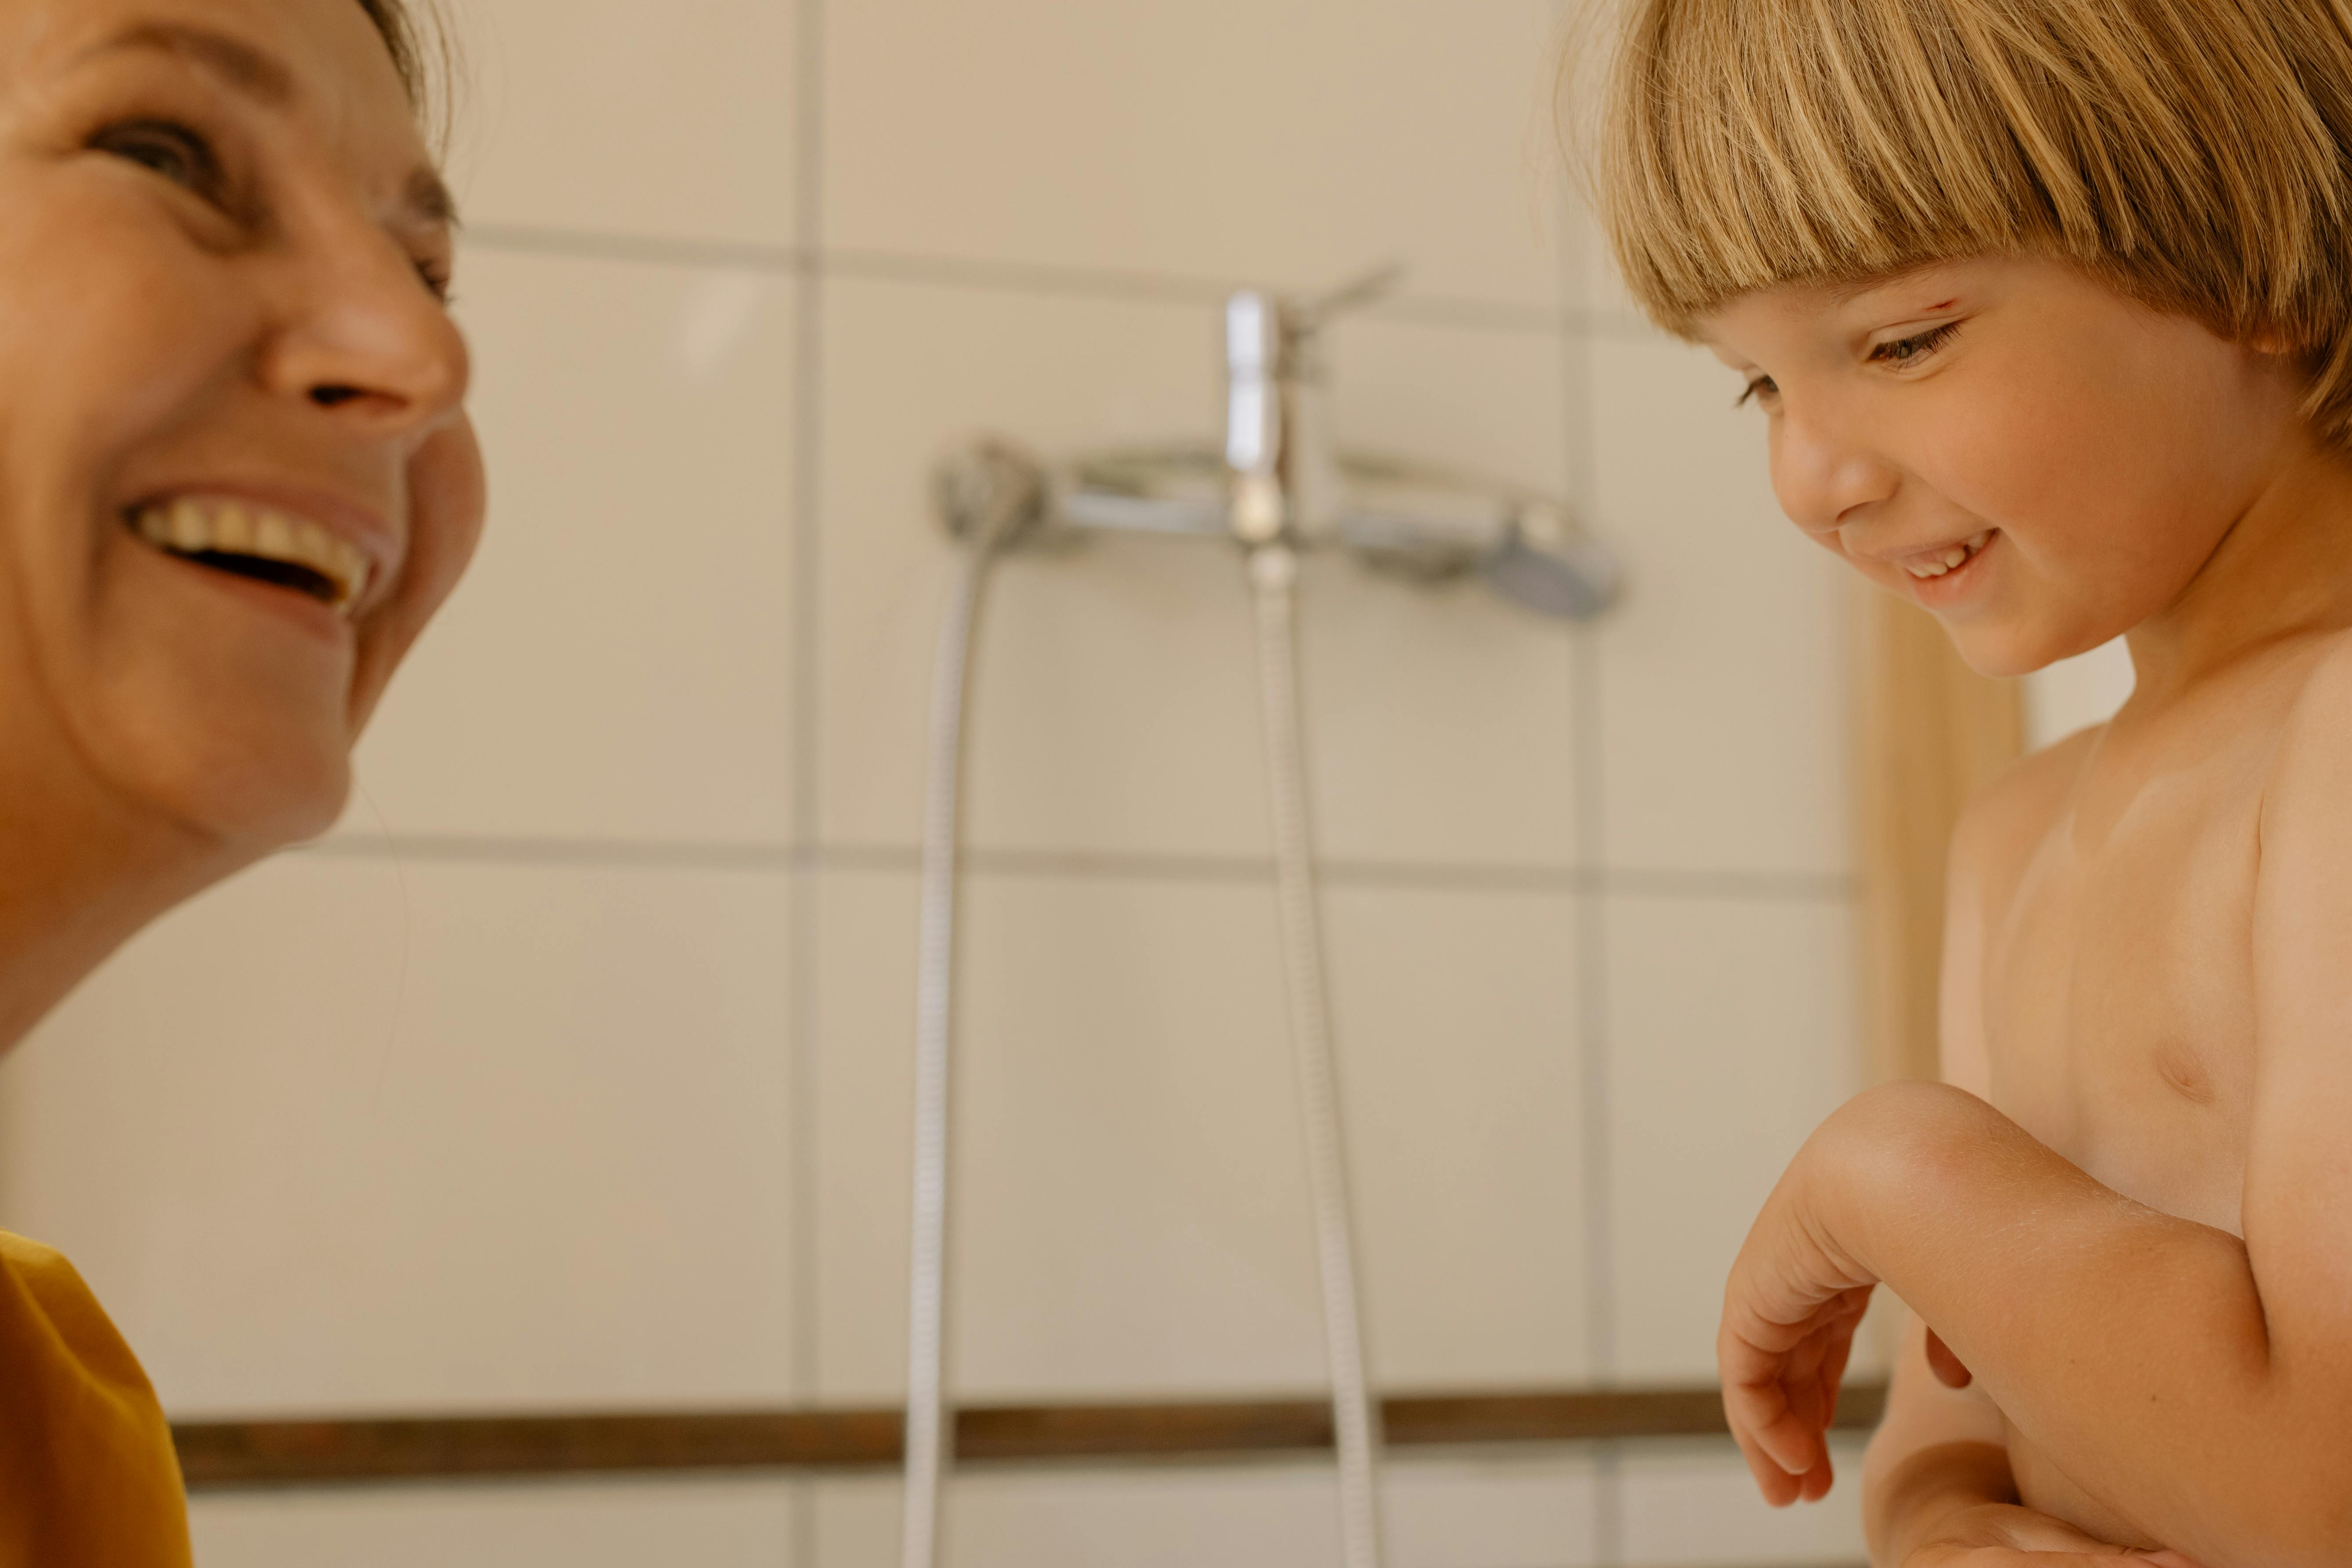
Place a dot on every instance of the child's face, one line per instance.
(218, 316)
(2037, 460)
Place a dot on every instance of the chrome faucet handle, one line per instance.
(1284, 475)
(1308, 315)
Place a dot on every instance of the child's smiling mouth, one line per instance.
(1944, 559)
(260, 543)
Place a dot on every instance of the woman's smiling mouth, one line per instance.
(248, 540)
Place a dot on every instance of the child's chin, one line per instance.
(2003, 651)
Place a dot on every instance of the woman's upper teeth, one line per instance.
(199, 525)
(1936, 565)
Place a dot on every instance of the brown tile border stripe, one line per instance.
(336, 1452)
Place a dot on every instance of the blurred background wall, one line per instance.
(570, 1072)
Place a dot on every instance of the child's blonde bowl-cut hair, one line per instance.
(2191, 153)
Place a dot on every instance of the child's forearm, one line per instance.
(1904, 1505)
(2133, 1348)
(1936, 1448)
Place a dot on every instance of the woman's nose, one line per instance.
(359, 331)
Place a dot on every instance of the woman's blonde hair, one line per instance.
(417, 37)
(2191, 154)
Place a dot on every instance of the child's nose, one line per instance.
(1822, 472)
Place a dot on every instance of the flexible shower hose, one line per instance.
(1274, 575)
(929, 1438)
(1273, 572)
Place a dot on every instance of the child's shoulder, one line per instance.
(2016, 810)
(2322, 698)
(2313, 760)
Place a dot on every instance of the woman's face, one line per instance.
(236, 477)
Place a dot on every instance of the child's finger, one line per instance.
(1785, 1436)
(1778, 1488)
(1949, 1370)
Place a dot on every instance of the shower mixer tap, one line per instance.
(1280, 477)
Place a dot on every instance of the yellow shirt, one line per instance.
(88, 1478)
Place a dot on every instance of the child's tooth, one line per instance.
(272, 537)
(350, 568)
(155, 525)
(312, 545)
(1955, 555)
(1980, 541)
(191, 529)
(233, 529)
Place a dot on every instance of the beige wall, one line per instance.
(572, 1071)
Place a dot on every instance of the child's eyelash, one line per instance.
(1906, 351)
(1899, 352)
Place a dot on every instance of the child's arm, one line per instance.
(1937, 1475)
(2197, 1385)
(1940, 1449)
(1938, 1491)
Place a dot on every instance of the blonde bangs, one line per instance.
(2190, 152)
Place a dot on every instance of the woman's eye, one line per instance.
(171, 150)
(1911, 350)
(437, 281)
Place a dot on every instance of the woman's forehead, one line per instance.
(284, 50)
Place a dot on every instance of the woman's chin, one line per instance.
(246, 795)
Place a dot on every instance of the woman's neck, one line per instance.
(81, 870)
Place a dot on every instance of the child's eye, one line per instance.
(171, 150)
(1763, 389)
(437, 280)
(1912, 349)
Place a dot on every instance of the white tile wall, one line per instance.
(1517, 1513)
(1693, 1505)
(1723, 717)
(1132, 1209)
(579, 114)
(635, 1524)
(1292, 142)
(355, 1135)
(1731, 1036)
(494, 1103)
(1130, 1204)
(617, 664)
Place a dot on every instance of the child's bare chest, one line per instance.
(2119, 991)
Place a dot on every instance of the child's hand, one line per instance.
(1788, 1316)
(1996, 1535)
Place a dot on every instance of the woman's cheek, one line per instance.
(448, 498)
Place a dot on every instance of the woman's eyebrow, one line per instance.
(249, 69)
(261, 76)
(430, 199)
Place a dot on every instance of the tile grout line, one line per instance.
(807, 645)
(1606, 1540)
(1010, 276)
(1633, 881)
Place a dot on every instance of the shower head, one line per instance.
(1573, 580)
